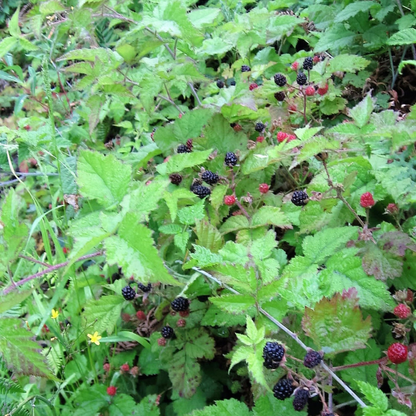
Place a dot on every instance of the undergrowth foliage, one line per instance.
(207, 208)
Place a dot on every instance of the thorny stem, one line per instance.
(34, 260)
(304, 108)
(242, 209)
(48, 270)
(330, 396)
(360, 364)
(289, 332)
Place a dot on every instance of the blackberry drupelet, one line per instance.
(175, 178)
(182, 148)
(195, 183)
(273, 351)
(312, 359)
(270, 364)
(201, 191)
(308, 63)
(280, 96)
(299, 198)
(301, 79)
(144, 288)
(210, 177)
(259, 127)
(230, 159)
(301, 399)
(280, 80)
(167, 332)
(283, 389)
(128, 293)
(245, 68)
(180, 304)
(220, 84)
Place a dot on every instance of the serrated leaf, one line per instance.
(312, 148)
(7, 44)
(335, 38)
(331, 105)
(231, 407)
(133, 249)
(89, 401)
(336, 325)
(51, 7)
(242, 279)
(13, 25)
(190, 215)
(403, 37)
(181, 240)
(106, 56)
(217, 317)
(20, 352)
(12, 299)
(208, 236)
(95, 104)
(307, 133)
(217, 196)
(181, 161)
(191, 124)
(353, 9)
(205, 257)
(374, 395)
(234, 303)
(103, 314)
(121, 405)
(240, 353)
(255, 366)
(270, 216)
(170, 229)
(102, 177)
(234, 223)
(361, 113)
(347, 63)
(267, 405)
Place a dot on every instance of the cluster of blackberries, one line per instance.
(273, 353)
(129, 293)
(210, 178)
(300, 198)
(284, 388)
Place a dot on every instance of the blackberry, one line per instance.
(270, 364)
(232, 125)
(301, 399)
(144, 288)
(273, 351)
(299, 198)
(280, 80)
(167, 332)
(180, 304)
(195, 183)
(259, 127)
(280, 96)
(128, 293)
(175, 178)
(230, 159)
(283, 389)
(210, 177)
(220, 84)
(312, 359)
(232, 83)
(245, 68)
(182, 148)
(308, 63)
(201, 191)
(301, 79)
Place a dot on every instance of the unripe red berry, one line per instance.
(397, 353)
(402, 311)
(316, 59)
(392, 209)
(65, 250)
(106, 367)
(409, 297)
(125, 368)
(253, 86)
(125, 317)
(367, 200)
(135, 371)
(111, 391)
(161, 342)
(310, 91)
(263, 188)
(181, 323)
(184, 314)
(141, 315)
(291, 137)
(295, 66)
(293, 108)
(237, 127)
(260, 139)
(281, 136)
(229, 200)
(323, 90)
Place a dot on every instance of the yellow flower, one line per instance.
(55, 314)
(95, 338)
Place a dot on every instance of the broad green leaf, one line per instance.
(148, 406)
(190, 215)
(347, 63)
(307, 133)
(89, 401)
(217, 196)
(319, 144)
(191, 124)
(268, 405)
(170, 229)
(102, 177)
(51, 7)
(203, 17)
(336, 325)
(105, 55)
(231, 407)
(180, 161)
(353, 9)
(12, 299)
(95, 104)
(205, 257)
(374, 395)
(331, 105)
(403, 37)
(234, 223)
(217, 317)
(236, 275)
(335, 38)
(361, 113)
(7, 44)
(255, 367)
(20, 352)
(184, 373)
(270, 216)
(181, 241)
(14, 28)
(233, 303)
(102, 315)
(121, 405)
(133, 249)
(208, 236)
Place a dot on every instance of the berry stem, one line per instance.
(339, 196)
(304, 108)
(360, 364)
(34, 260)
(288, 331)
(237, 202)
(48, 270)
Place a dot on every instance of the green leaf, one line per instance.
(103, 314)
(204, 257)
(180, 161)
(190, 215)
(335, 38)
(208, 236)
(332, 105)
(89, 401)
(231, 407)
(20, 352)
(217, 317)
(121, 405)
(234, 303)
(347, 63)
(270, 216)
(12, 299)
(403, 37)
(133, 250)
(102, 177)
(353, 9)
(170, 229)
(14, 28)
(217, 196)
(7, 44)
(337, 325)
(235, 223)
(108, 57)
(374, 395)
(181, 241)
(123, 336)
(95, 104)
(267, 405)
(361, 113)
(50, 7)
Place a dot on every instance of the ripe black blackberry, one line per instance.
(220, 84)
(280, 96)
(128, 293)
(144, 288)
(175, 178)
(167, 332)
(308, 63)
(245, 68)
(232, 83)
(259, 127)
(299, 198)
(280, 80)
(230, 159)
(180, 304)
(273, 351)
(182, 148)
(195, 183)
(201, 191)
(210, 177)
(301, 399)
(301, 79)
(270, 364)
(312, 359)
(283, 389)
